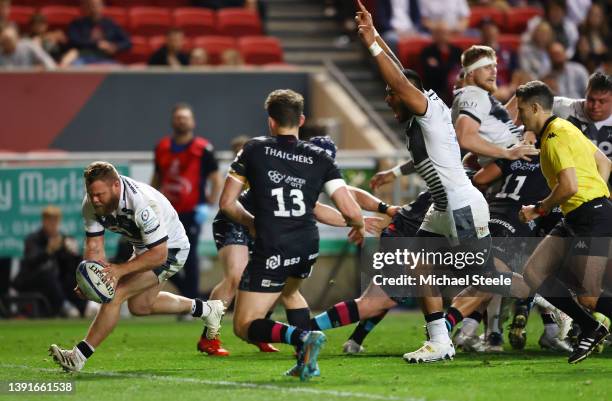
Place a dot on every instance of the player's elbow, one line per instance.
(571, 188)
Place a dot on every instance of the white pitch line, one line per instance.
(303, 390)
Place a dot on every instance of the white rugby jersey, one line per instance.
(144, 217)
(600, 132)
(496, 126)
(433, 145)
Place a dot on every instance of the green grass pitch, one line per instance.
(155, 359)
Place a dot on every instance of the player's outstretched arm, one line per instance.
(229, 204)
(149, 260)
(387, 176)
(487, 175)
(411, 96)
(371, 203)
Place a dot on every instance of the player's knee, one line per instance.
(139, 309)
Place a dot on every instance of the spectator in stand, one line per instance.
(198, 57)
(184, 166)
(231, 57)
(507, 59)
(566, 78)
(533, 53)
(595, 33)
(21, 53)
(5, 11)
(171, 54)
(577, 10)
(456, 14)
(397, 18)
(52, 42)
(97, 38)
(564, 30)
(254, 5)
(49, 264)
(441, 62)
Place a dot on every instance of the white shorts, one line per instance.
(175, 262)
(467, 216)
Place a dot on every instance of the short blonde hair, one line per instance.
(475, 53)
(100, 171)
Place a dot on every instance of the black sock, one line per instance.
(476, 316)
(299, 318)
(365, 327)
(434, 316)
(604, 305)
(269, 331)
(341, 314)
(198, 308)
(85, 349)
(547, 318)
(452, 318)
(564, 301)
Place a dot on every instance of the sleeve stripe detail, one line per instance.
(150, 231)
(159, 241)
(332, 185)
(241, 179)
(96, 234)
(467, 113)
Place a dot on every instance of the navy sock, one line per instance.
(365, 327)
(269, 331)
(299, 318)
(452, 318)
(604, 305)
(85, 349)
(341, 314)
(564, 301)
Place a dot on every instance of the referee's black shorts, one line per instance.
(590, 227)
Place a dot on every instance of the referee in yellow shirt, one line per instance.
(576, 172)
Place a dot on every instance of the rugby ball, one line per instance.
(90, 279)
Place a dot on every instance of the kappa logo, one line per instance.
(275, 176)
(581, 245)
(552, 135)
(273, 262)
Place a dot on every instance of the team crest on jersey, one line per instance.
(275, 176)
(273, 262)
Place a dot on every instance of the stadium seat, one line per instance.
(149, 21)
(117, 14)
(21, 16)
(463, 42)
(477, 14)
(214, 46)
(139, 53)
(511, 41)
(409, 50)
(517, 18)
(59, 17)
(238, 22)
(259, 50)
(195, 21)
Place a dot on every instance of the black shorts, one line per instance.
(509, 236)
(401, 226)
(226, 232)
(269, 271)
(590, 226)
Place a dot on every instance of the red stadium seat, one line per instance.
(139, 53)
(517, 18)
(172, 3)
(21, 16)
(59, 17)
(409, 51)
(117, 14)
(149, 20)
(195, 21)
(42, 3)
(260, 50)
(128, 3)
(463, 42)
(511, 41)
(214, 46)
(238, 22)
(477, 14)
